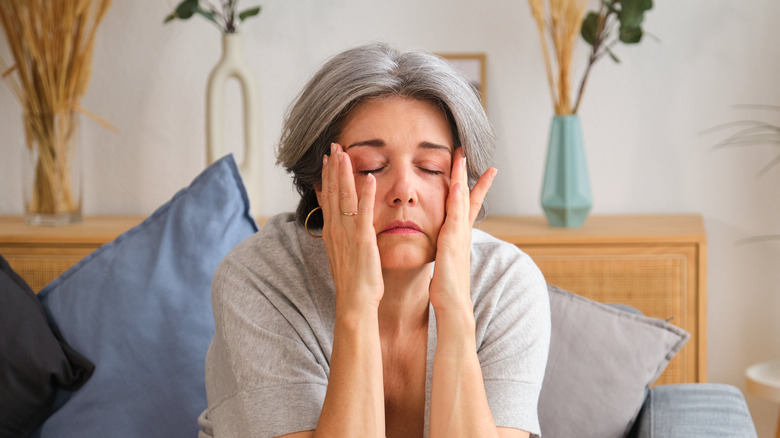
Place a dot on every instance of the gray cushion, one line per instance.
(695, 410)
(602, 359)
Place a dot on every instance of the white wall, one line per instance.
(642, 122)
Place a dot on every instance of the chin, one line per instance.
(405, 256)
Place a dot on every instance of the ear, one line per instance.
(318, 192)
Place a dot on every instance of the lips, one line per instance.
(402, 227)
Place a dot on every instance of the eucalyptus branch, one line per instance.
(617, 21)
(222, 14)
(595, 55)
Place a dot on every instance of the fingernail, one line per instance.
(340, 156)
(332, 148)
(324, 160)
(494, 173)
(464, 162)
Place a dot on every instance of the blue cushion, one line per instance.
(140, 309)
(695, 410)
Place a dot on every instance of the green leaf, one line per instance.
(169, 18)
(187, 9)
(630, 35)
(632, 13)
(590, 27)
(209, 15)
(248, 13)
(613, 56)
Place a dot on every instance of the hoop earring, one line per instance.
(306, 223)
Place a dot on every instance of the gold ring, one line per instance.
(348, 213)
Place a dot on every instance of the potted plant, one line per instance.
(232, 64)
(566, 197)
(51, 42)
(223, 16)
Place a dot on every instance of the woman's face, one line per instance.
(407, 144)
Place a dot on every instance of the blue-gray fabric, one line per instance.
(695, 410)
(140, 309)
(274, 305)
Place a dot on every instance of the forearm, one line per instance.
(459, 406)
(354, 401)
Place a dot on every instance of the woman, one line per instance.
(360, 333)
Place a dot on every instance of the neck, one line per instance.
(404, 306)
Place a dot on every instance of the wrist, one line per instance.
(358, 299)
(356, 316)
(456, 326)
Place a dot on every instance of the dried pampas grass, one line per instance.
(51, 42)
(559, 21)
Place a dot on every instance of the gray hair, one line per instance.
(315, 119)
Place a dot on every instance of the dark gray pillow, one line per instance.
(601, 362)
(34, 361)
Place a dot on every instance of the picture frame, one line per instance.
(474, 67)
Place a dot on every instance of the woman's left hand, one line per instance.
(450, 289)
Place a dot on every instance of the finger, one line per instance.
(479, 192)
(323, 195)
(459, 171)
(333, 210)
(457, 205)
(455, 202)
(366, 203)
(348, 201)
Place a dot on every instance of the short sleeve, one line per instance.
(513, 332)
(266, 373)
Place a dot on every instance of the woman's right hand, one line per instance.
(350, 239)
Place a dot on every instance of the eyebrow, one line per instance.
(378, 143)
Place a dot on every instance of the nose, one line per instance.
(402, 189)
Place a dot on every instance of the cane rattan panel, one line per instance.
(41, 254)
(38, 270)
(655, 284)
(656, 264)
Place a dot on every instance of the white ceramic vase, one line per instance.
(233, 65)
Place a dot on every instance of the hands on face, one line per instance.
(350, 239)
(451, 282)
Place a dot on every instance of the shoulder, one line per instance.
(281, 244)
(277, 233)
(493, 257)
(505, 279)
(280, 258)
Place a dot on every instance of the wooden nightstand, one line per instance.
(41, 254)
(654, 263)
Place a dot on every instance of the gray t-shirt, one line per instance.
(274, 306)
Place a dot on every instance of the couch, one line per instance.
(115, 347)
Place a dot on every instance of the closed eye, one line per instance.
(431, 171)
(372, 171)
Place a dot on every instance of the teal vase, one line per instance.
(566, 198)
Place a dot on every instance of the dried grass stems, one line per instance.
(51, 42)
(559, 21)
